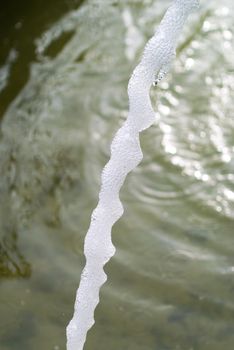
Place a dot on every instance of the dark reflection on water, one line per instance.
(21, 23)
(12, 262)
(171, 282)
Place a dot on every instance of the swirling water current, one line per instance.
(171, 282)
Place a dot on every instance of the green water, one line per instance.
(63, 78)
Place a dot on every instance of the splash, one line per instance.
(126, 154)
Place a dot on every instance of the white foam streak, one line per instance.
(126, 154)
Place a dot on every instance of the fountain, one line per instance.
(126, 154)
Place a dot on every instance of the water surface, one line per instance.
(63, 96)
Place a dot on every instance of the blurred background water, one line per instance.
(64, 68)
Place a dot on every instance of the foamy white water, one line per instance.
(126, 154)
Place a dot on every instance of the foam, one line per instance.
(126, 154)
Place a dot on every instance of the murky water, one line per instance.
(171, 282)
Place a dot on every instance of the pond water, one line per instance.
(63, 79)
